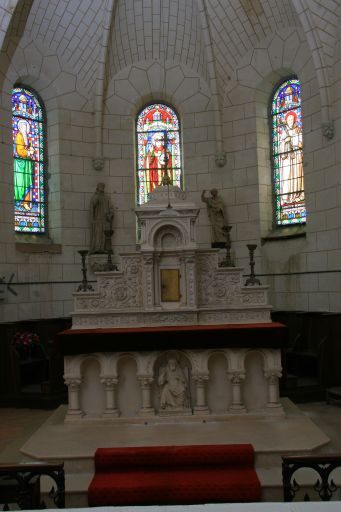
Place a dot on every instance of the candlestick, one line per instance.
(85, 286)
(252, 280)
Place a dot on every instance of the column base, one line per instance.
(146, 412)
(275, 408)
(201, 409)
(110, 413)
(237, 409)
(73, 415)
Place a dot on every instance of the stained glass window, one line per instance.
(288, 154)
(28, 151)
(158, 149)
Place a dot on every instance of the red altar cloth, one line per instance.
(265, 335)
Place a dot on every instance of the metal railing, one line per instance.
(323, 465)
(20, 483)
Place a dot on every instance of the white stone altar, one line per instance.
(168, 282)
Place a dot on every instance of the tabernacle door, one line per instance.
(170, 285)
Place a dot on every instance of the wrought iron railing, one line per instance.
(323, 465)
(20, 483)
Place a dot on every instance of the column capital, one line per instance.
(109, 381)
(273, 374)
(145, 380)
(72, 383)
(200, 378)
(236, 377)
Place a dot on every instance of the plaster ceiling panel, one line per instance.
(240, 25)
(152, 30)
(72, 30)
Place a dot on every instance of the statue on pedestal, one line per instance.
(216, 214)
(101, 218)
(174, 387)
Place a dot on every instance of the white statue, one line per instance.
(101, 218)
(216, 214)
(174, 386)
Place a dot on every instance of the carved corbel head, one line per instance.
(220, 159)
(98, 164)
(328, 129)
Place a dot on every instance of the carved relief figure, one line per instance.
(174, 386)
(101, 218)
(216, 214)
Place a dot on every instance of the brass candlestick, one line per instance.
(252, 280)
(227, 262)
(85, 286)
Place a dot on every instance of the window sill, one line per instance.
(38, 247)
(285, 233)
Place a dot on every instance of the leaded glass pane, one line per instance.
(28, 153)
(288, 154)
(158, 149)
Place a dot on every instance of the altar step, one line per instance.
(75, 443)
(270, 479)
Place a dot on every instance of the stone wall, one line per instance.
(95, 65)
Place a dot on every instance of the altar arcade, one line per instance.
(171, 301)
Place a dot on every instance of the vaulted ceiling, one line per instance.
(194, 32)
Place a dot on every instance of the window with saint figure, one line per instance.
(28, 128)
(287, 154)
(158, 150)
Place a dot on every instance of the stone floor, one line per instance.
(17, 426)
(25, 427)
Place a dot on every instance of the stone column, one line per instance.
(273, 391)
(146, 396)
(200, 392)
(110, 397)
(237, 405)
(74, 411)
(191, 291)
(148, 280)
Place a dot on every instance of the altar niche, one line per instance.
(169, 268)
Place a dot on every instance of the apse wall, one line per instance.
(212, 94)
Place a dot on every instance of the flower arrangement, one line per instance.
(25, 339)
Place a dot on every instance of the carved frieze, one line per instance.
(241, 316)
(254, 297)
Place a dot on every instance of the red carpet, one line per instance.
(160, 475)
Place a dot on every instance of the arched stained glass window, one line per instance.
(158, 149)
(28, 121)
(287, 154)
